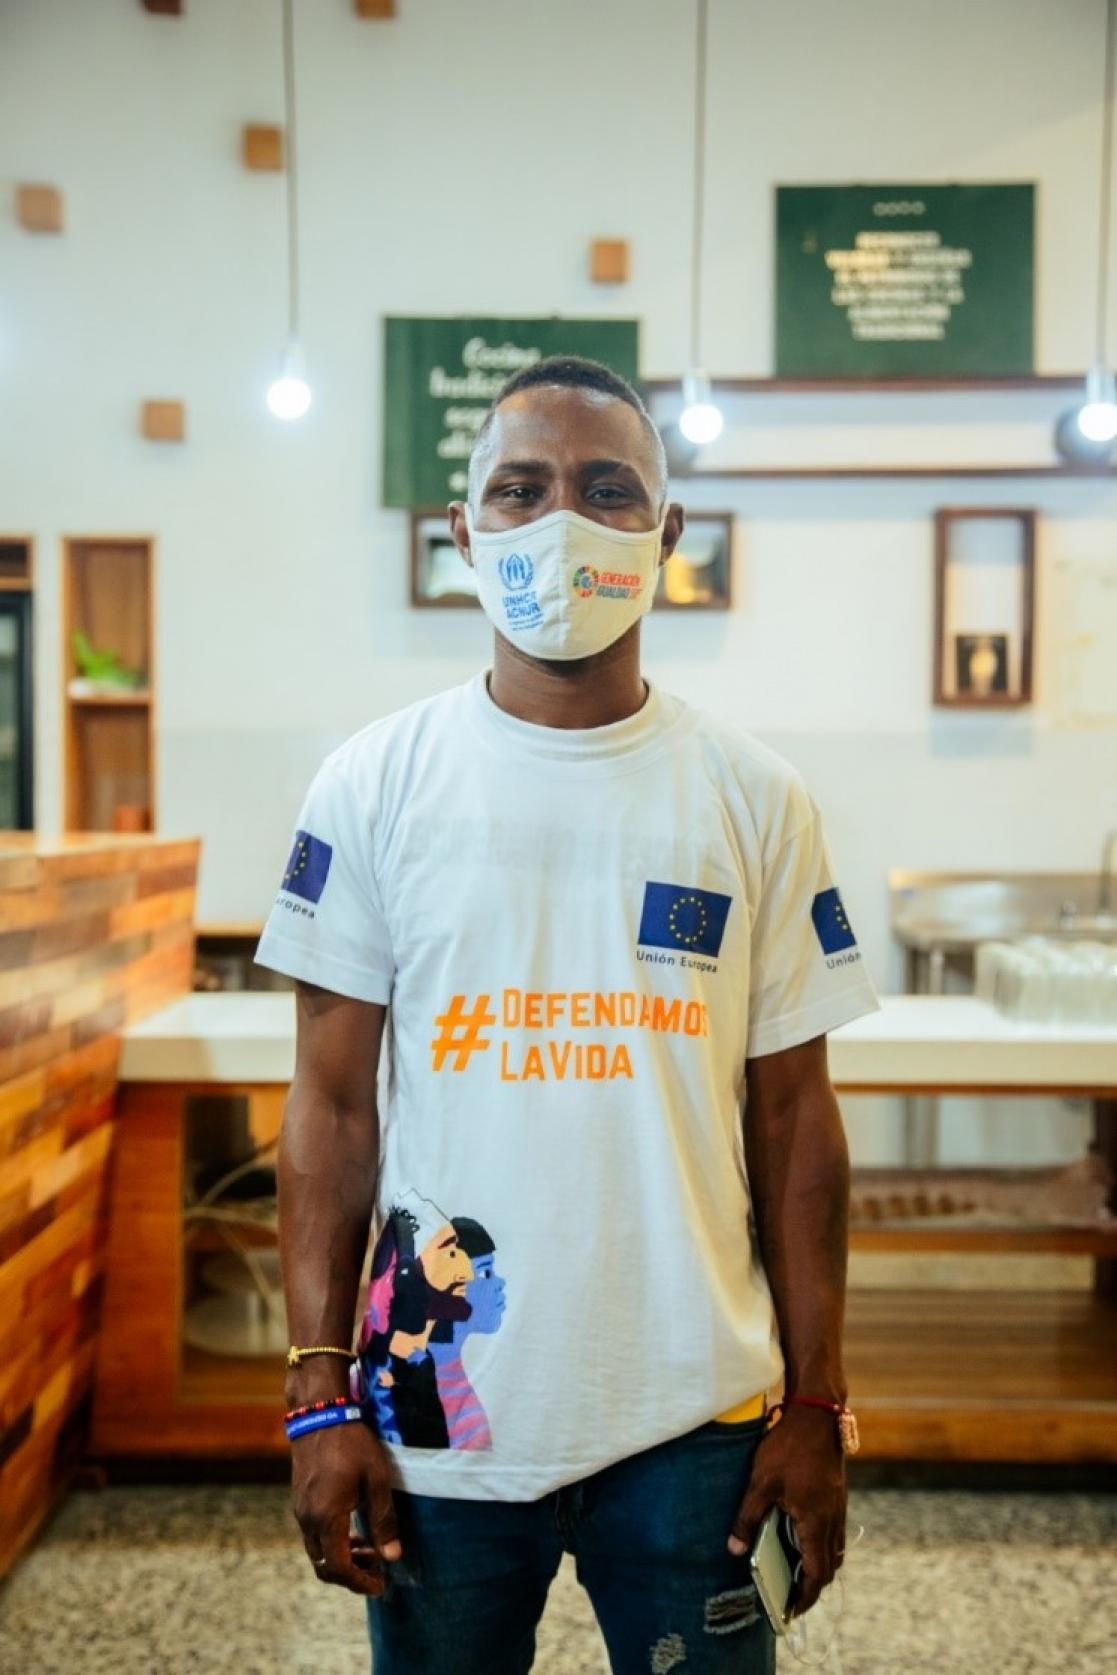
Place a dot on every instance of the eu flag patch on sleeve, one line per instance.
(307, 866)
(676, 916)
(830, 922)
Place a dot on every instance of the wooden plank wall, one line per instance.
(95, 932)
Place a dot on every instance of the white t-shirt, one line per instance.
(580, 935)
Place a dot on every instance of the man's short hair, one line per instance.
(572, 372)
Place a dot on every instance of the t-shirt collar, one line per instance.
(615, 743)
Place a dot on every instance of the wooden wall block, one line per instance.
(60, 946)
(39, 208)
(163, 421)
(375, 8)
(609, 261)
(262, 146)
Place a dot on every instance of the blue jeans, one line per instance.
(648, 1536)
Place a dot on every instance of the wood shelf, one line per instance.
(984, 1375)
(1048, 1240)
(778, 473)
(877, 386)
(109, 736)
(17, 563)
(125, 700)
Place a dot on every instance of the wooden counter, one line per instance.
(96, 931)
(948, 1374)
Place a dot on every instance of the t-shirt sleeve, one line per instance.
(807, 972)
(327, 922)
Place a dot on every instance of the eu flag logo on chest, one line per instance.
(307, 866)
(678, 916)
(831, 925)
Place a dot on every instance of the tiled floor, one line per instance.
(209, 1579)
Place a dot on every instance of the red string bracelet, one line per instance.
(847, 1423)
(316, 1407)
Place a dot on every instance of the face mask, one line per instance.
(564, 586)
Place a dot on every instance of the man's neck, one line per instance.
(591, 692)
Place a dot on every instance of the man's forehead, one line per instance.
(551, 421)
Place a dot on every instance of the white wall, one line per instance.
(459, 160)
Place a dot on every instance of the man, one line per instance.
(600, 921)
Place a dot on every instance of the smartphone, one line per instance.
(772, 1563)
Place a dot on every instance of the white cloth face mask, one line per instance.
(564, 586)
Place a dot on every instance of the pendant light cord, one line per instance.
(1106, 173)
(292, 183)
(700, 183)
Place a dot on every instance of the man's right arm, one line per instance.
(328, 1163)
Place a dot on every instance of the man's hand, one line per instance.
(335, 1470)
(799, 1465)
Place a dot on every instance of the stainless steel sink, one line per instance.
(938, 918)
(952, 912)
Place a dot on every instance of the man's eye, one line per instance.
(609, 491)
(517, 490)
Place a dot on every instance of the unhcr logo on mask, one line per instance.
(516, 571)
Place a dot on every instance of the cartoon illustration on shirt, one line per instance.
(466, 1422)
(433, 1282)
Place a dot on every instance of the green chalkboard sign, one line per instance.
(882, 281)
(441, 374)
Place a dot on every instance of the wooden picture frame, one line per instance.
(984, 607)
(697, 576)
(440, 578)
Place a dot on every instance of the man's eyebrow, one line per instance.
(532, 467)
(602, 467)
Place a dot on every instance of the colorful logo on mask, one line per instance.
(516, 571)
(607, 584)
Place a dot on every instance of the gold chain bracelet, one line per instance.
(296, 1355)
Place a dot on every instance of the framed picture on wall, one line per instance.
(984, 606)
(439, 574)
(695, 577)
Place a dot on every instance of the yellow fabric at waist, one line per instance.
(752, 1409)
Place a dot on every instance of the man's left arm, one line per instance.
(797, 1163)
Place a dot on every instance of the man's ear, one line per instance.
(674, 522)
(455, 511)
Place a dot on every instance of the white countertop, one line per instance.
(933, 1041)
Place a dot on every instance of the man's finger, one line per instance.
(815, 1572)
(339, 1566)
(381, 1515)
(749, 1515)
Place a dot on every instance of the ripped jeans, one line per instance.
(648, 1536)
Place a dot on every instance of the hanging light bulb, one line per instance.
(1097, 420)
(700, 420)
(289, 394)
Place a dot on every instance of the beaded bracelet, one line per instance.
(321, 1421)
(316, 1407)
